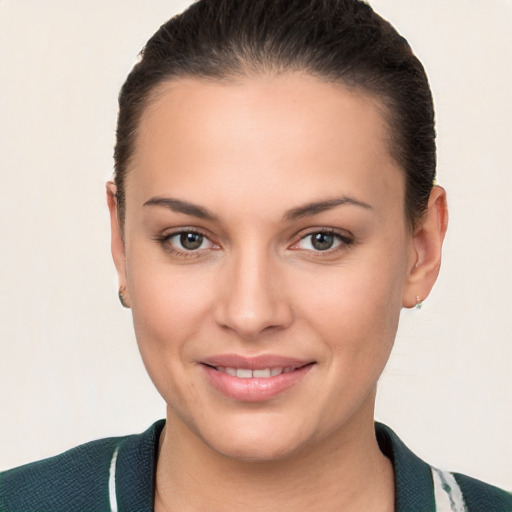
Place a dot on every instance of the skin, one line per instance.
(251, 152)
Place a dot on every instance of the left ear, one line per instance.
(426, 245)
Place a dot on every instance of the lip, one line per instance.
(255, 362)
(254, 389)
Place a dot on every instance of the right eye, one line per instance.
(185, 243)
(189, 241)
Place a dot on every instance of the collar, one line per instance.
(133, 477)
(413, 477)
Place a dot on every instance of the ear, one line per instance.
(426, 245)
(117, 241)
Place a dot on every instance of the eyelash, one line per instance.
(344, 242)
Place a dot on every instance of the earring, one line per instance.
(419, 303)
(122, 300)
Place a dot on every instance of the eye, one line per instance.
(184, 243)
(188, 241)
(321, 241)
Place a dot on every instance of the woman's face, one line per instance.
(267, 258)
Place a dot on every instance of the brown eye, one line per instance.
(322, 241)
(191, 241)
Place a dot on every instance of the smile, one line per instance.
(247, 373)
(254, 379)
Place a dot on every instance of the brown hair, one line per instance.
(343, 41)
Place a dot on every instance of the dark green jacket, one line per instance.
(117, 474)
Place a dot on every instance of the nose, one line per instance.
(252, 299)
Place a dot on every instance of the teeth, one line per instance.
(246, 373)
(263, 374)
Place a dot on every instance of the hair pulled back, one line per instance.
(343, 41)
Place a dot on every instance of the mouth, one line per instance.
(262, 373)
(254, 379)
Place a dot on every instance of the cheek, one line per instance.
(170, 304)
(170, 311)
(357, 306)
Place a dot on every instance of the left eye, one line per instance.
(320, 241)
(190, 241)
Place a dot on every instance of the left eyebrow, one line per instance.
(317, 207)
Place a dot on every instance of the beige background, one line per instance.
(69, 366)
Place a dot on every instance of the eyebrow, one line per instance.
(317, 207)
(179, 206)
(309, 209)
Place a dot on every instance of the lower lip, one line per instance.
(254, 389)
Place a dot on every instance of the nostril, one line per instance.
(250, 302)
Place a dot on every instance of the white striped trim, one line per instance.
(447, 493)
(112, 482)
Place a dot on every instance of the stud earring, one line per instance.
(419, 303)
(122, 300)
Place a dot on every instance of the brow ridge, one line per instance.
(317, 207)
(180, 206)
(306, 210)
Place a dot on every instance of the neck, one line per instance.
(345, 472)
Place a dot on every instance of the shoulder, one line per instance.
(419, 486)
(482, 496)
(77, 479)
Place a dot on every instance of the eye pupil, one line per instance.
(322, 241)
(191, 241)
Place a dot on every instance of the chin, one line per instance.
(250, 450)
(254, 440)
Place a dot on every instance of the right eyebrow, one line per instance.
(179, 206)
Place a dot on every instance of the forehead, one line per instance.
(290, 132)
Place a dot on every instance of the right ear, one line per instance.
(117, 241)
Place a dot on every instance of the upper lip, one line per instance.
(255, 363)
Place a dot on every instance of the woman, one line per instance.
(273, 210)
